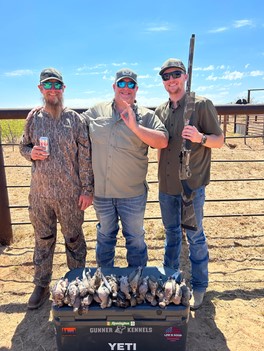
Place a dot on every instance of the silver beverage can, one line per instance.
(44, 142)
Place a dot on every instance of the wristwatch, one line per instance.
(204, 139)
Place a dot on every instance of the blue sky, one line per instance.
(89, 40)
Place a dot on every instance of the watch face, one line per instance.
(204, 138)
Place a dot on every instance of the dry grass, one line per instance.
(232, 317)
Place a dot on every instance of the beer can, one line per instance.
(44, 142)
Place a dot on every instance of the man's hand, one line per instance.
(39, 153)
(191, 133)
(85, 201)
(129, 117)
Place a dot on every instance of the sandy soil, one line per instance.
(232, 316)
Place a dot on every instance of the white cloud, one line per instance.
(111, 78)
(256, 73)
(218, 30)
(236, 24)
(82, 73)
(212, 77)
(124, 64)
(158, 29)
(115, 64)
(90, 68)
(146, 76)
(243, 23)
(19, 73)
(232, 75)
(208, 68)
(202, 89)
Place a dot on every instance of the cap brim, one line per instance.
(126, 77)
(44, 80)
(164, 69)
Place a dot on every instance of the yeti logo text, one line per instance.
(123, 346)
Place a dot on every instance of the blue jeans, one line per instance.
(131, 212)
(170, 206)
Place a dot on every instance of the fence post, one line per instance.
(225, 125)
(6, 234)
(235, 123)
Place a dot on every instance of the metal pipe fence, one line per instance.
(6, 222)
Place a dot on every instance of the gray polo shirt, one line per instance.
(119, 157)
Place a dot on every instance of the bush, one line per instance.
(11, 130)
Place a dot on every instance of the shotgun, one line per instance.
(188, 218)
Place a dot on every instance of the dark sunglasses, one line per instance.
(49, 85)
(123, 84)
(174, 75)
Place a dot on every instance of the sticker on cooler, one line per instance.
(68, 331)
(173, 334)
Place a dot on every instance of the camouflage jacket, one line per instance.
(67, 172)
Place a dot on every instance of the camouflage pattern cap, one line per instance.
(50, 73)
(172, 63)
(126, 73)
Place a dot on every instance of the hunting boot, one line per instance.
(38, 297)
(196, 300)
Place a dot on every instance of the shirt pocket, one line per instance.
(125, 139)
(99, 130)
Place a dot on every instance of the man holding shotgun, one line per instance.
(184, 170)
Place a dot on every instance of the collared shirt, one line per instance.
(120, 158)
(205, 119)
(67, 171)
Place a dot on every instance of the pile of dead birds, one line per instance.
(122, 291)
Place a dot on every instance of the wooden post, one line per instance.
(235, 122)
(225, 125)
(6, 234)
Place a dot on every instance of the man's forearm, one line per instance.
(154, 138)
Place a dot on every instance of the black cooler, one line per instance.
(139, 328)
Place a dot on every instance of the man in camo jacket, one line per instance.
(61, 184)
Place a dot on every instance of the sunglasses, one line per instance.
(123, 84)
(49, 85)
(174, 75)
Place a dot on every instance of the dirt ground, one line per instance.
(232, 316)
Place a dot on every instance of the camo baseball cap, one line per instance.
(50, 73)
(172, 63)
(126, 73)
